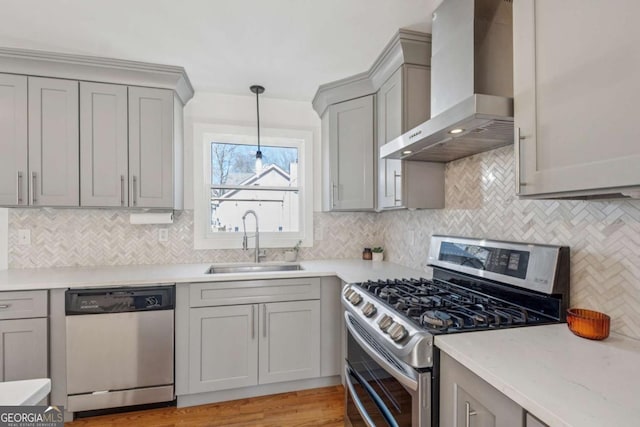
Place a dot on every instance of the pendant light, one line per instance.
(257, 89)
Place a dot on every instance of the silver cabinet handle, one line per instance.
(468, 414)
(395, 191)
(333, 194)
(121, 190)
(253, 321)
(264, 318)
(4, 306)
(516, 152)
(19, 189)
(34, 179)
(135, 191)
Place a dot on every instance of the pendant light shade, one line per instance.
(257, 89)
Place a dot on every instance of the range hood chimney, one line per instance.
(471, 84)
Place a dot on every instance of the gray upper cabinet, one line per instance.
(71, 141)
(403, 103)
(351, 155)
(361, 113)
(54, 177)
(575, 98)
(13, 140)
(103, 145)
(151, 148)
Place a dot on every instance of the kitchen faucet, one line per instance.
(245, 238)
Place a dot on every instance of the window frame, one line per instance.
(204, 134)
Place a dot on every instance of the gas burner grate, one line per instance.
(444, 307)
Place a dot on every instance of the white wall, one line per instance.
(208, 107)
(4, 238)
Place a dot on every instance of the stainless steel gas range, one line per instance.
(392, 366)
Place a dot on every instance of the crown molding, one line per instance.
(406, 47)
(97, 69)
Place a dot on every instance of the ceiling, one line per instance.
(289, 46)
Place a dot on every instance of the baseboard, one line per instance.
(259, 390)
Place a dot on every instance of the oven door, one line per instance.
(381, 390)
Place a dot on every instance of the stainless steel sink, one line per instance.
(252, 268)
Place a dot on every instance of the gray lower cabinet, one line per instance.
(403, 103)
(23, 335)
(468, 401)
(151, 148)
(253, 332)
(531, 421)
(348, 145)
(13, 140)
(223, 347)
(289, 345)
(104, 145)
(54, 177)
(246, 345)
(575, 98)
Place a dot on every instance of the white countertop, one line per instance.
(349, 270)
(562, 379)
(26, 392)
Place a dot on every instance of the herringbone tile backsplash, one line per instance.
(604, 236)
(67, 237)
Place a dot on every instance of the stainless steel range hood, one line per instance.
(471, 84)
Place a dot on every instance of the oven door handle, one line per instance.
(356, 399)
(402, 378)
(348, 373)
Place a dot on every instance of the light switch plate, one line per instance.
(24, 237)
(163, 235)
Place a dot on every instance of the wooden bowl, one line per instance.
(588, 323)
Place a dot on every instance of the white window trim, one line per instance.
(203, 134)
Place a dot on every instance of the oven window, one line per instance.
(393, 394)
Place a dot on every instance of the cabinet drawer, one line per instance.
(253, 291)
(22, 305)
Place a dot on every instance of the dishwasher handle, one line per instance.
(119, 300)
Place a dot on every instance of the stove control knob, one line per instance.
(355, 298)
(385, 322)
(397, 332)
(369, 309)
(348, 292)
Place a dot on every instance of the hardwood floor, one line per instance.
(317, 407)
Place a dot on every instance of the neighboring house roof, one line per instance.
(255, 178)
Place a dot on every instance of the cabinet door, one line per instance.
(150, 148)
(54, 172)
(223, 348)
(574, 95)
(531, 421)
(13, 140)
(103, 145)
(289, 341)
(351, 147)
(389, 122)
(23, 349)
(402, 104)
(467, 400)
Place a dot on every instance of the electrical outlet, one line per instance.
(163, 235)
(24, 237)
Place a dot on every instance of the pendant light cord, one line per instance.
(258, 114)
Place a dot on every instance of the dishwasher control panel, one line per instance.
(119, 300)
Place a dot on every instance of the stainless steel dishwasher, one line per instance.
(119, 347)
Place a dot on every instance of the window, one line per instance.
(229, 183)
